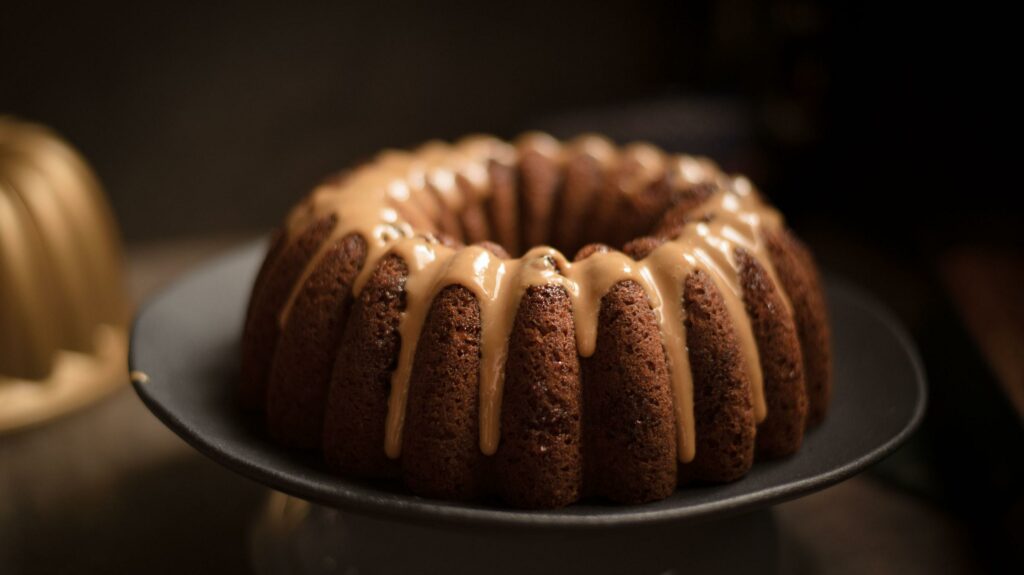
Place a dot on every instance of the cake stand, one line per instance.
(184, 359)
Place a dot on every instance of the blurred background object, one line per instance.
(63, 310)
(882, 131)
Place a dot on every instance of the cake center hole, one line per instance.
(540, 202)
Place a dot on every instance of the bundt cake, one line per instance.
(411, 321)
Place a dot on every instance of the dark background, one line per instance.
(885, 131)
(201, 117)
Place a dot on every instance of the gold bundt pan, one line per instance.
(63, 310)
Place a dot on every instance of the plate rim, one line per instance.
(420, 509)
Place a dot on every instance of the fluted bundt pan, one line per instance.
(63, 310)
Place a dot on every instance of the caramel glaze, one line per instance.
(402, 203)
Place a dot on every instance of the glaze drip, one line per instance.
(401, 200)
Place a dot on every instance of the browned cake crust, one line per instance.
(259, 336)
(640, 211)
(600, 224)
(591, 249)
(798, 275)
(252, 386)
(583, 180)
(723, 415)
(440, 442)
(539, 462)
(357, 405)
(301, 370)
(448, 220)
(278, 242)
(686, 198)
(540, 181)
(639, 248)
(628, 421)
(473, 218)
(778, 348)
(503, 206)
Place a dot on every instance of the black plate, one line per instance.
(186, 341)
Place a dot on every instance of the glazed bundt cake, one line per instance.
(411, 321)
